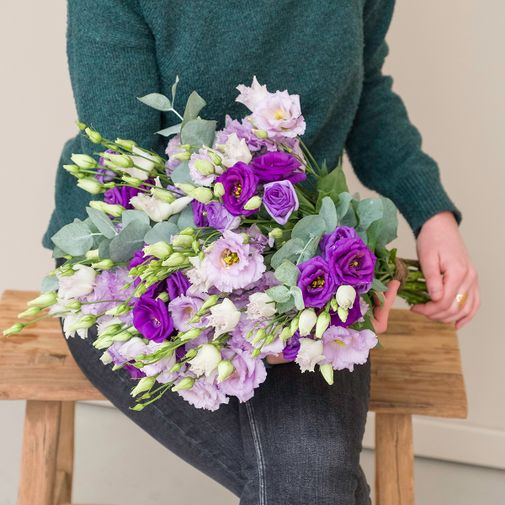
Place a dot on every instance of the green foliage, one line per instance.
(280, 294)
(49, 283)
(186, 218)
(74, 238)
(287, 273)
(104, 248)
(171, 130)
(193, 107)
(130, 215)
(161, 232)
(328, 213)
(102, 222)
(156, 101)
(331, 185)
(198, 132)
(180, 175)
(129, 240)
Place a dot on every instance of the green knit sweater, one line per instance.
(331, 53)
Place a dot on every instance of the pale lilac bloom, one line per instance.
(204, 394)
(173, 147)
(199, 178)
(248, 375)
(231, 264)
(183, 309)
(345, 347)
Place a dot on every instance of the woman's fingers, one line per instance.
(381, 312)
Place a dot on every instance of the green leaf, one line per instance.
(129, 240)
(130, 215)
(297, 295)
(74, 238)
(284, 307)
(156, 101)
(369, 210)
(329, 214)
(306, 206)
(290, 250)
(102, 222)
(180, 174)
(332, 184)
(186, 218)
(161, 232)
(379, 286)
(174, 88)
(171, 130)
(58, 253)
(308, 227)
(287, 273)
(193, 107)
(104, 248)
(49, 283)
(279, 294)
(198, 132)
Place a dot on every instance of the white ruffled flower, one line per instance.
(156, 209)
(223, 317)
(206, 360)
(260, 306)
(310, 354)
(199, 281)
(252, 95)
(234, 150)
(68, 322)
(81, 283)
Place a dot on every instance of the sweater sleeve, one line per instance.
(112, 60)
(383, 145)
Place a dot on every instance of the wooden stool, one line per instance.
(418, 371)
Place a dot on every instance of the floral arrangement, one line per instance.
(238, 245)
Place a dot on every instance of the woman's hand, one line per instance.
(451, 278)
(379, 320)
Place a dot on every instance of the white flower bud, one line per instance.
(323, 321)
(12, 330)
(342, 314)
(163, 194)
(327, 372)
(218, 189)
(161, 250)
(105, 264)
(186, 383)
(91, 185)
(144, 384)
(84, 322)
(176, 259)
(93, 135)
(111, 209)
(30, 312)
(224, 370)
(308, 319)
(44, 300)
(182, 156)
(205, 167)
(345, 296)
(126, 144)
(206, 360)
(202, 195)
(182, 241)
(261, 134)
(253, 203)
(83, 160)
(190, 334)
(275, 233)
(186, 187)
(285, 334)
(72, 169)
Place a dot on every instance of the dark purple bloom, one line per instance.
(177, 285)
(290, 352)
(200, 214)
(180, 352)
(316, 282)
(280, 200)
(278, 166)
(239, 184)
(138, 258)
(352, 263)
(104, 174)
(352, 316)
(339, 233)
(121, 195)
(135, 373)
(151, 318)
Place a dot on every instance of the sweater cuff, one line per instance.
(419, 201)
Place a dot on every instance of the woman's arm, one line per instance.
(385, 151)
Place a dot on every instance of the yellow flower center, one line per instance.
(279, 114)
(230, 257)
(317, 282)
(237, 190)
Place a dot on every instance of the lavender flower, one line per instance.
(280, 200)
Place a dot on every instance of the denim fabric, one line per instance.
(296, 442)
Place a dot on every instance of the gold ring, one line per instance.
(461, 299)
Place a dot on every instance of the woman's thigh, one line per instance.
(304, 439)
(209, 441)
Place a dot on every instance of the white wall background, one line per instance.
(448, 64)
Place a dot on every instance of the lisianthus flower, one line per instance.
(156, 209)
(352, 263)
(339, 233)
(206, 360)
(310, 354)
(316, 282)
(80, 283)
(121, 195)
(223, 317)
(239, 184)
(260, 306)
(183, 309)
(200, 177)
(290, 352)
(243, 130)
(277, 166)
(177, 284)
(204, 394)
(173, 148)
(280, 200)
(231, 264)
(151, 318)
(252, 96)
(215, 215)
(345, 347)
(249, 373)
(234, 150)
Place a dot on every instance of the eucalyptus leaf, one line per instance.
(284, 307)
(297, 295)
(156, 101)
(130, 215)
(129, 240)
(186, 218)
(171, 130)
(174, 88)
(198, 132)
(369, 210)
(49, 283)
(279, 294)
(329, 214)
(309, 250)
(180, 174)
(104, 248)
(377, 285)
(193, 107)
(308, 227)
(290, 250)
(287, 273)
(332, 184)
(161, 232)
(102, 222)
(58, 253)
(74, 238)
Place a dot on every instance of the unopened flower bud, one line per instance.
(182, 241)
(144, 384)
(182, 155)
(293, 327)
(342, 314)
(72, 169)
(205, 167)
(260, 335)
(215, 158)
(186, 383)
(74, 305)
(202, 195)
(285, 334)
(113, 210)
(106, 358)
(163, 296)
(323, 321)
(82, 126)
(119, 310)
(119, 160)
(163, 194)
(83, 160)
(253, 203)
(92, 254)
(218, 189)
(210, 302)
(308, 320)
(161, 250)
(190, 334)
(183, 186)
(345, 296)
(91, 185)
(176, 259)
(261, 134)
(255, 353)
(12, 330)
(191, 354)
(327, 372)
(131, 181)
(176, 367)
(275, 233)
(224, 370)
(105, 264)
(93, 135)
(30, 312)
(44, 300)
(128, 145)
(84, 322)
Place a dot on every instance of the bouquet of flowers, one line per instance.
(238, 245)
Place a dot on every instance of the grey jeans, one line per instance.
(296, 442)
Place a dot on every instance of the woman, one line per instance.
(298, 440)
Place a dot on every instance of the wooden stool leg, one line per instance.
(39, 453)
(65, 455)
(394, 459)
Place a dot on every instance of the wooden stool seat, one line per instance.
(417, 371)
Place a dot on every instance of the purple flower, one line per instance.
(244, 130)
(290, 352)
(316, 282)
(214, 215)
(239, 184)
(135, 373)
(183, 309)
(177, 285)
(277, 166)
(204, 395)
(151, 318)
(104, 174)
(138, 258)
(339, 233)
(352, 263)
(353, 315)
(121, 195)
(280, 200)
